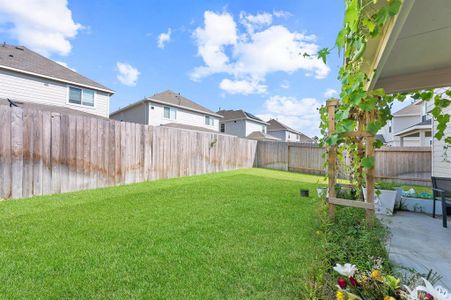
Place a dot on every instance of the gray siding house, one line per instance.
(26, 77)
(171, 110)
(244, 125)
(285, 133)
(410, 126)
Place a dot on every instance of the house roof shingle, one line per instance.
(23, 60)
(189, 127)
(275, 125)
(261, 136)
(171, 98)
(412, 109)
(239, 115)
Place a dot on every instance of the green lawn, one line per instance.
(235, 234)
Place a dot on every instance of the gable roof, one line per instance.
(275, 125)
(175, 99)
(258, 135)
(189, 127)
(170, 98)
(412, 109)
(229, 115)
(23, 60)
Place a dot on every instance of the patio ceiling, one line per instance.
(415, 50)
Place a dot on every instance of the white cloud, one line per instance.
(219, 30)
(331, 93)
(244, 87)
(164, 38)
(44, 26)
(262, 49)
(254, 22)
(64, 64)
(127, 74)
(285, 84)
(301, 114)
(282, 14)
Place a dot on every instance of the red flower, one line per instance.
(429, 296)
(342, 283)
(353, 281)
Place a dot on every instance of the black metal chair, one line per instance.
(441, 190)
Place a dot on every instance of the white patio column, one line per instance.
(422, 138)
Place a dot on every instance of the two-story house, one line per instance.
(27, 77)
(245, 125)
(169, 109)
(285, 133)
(410, 126)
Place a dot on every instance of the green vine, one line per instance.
(361, 109)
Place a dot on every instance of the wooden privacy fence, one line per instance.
(404, 165)
(46, 153)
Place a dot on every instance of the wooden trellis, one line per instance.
(332, 200)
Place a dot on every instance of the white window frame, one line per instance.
(81, 104)
(170, 108)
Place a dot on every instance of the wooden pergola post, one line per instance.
(332, 155)
(332, 200)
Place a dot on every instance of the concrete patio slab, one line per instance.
(418, 241)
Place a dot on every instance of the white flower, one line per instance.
(438, 292)
(347, 269)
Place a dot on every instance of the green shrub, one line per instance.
(349, 238)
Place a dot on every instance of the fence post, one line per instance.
(332, 155)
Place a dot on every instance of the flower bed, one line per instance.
(374, 284)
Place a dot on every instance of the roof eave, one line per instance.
(110, 92)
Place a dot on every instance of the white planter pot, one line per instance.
(384, 204)
(419, 205)
(321, 192)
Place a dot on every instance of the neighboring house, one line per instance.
(285, 133)
(409, 127)
(169, 109)
(441, 152)
(28, 77)
(244, 124)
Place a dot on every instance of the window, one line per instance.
(74, 95)
(222, 127)
(83, 97)
(209, 121)
(88, 98)
(263, 129)
(289, 136)
(170, 113)
(389, 129)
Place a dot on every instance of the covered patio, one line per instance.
(420, 242)
(414, 53)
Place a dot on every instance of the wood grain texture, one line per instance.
(44, 153)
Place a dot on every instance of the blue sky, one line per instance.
(228, 54)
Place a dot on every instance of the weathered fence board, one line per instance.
(44, 153)
(404, 165)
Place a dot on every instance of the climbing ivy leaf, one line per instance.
(368, 162)
(352, 14)
(332, 140)
(323, 53)
(373, 127)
